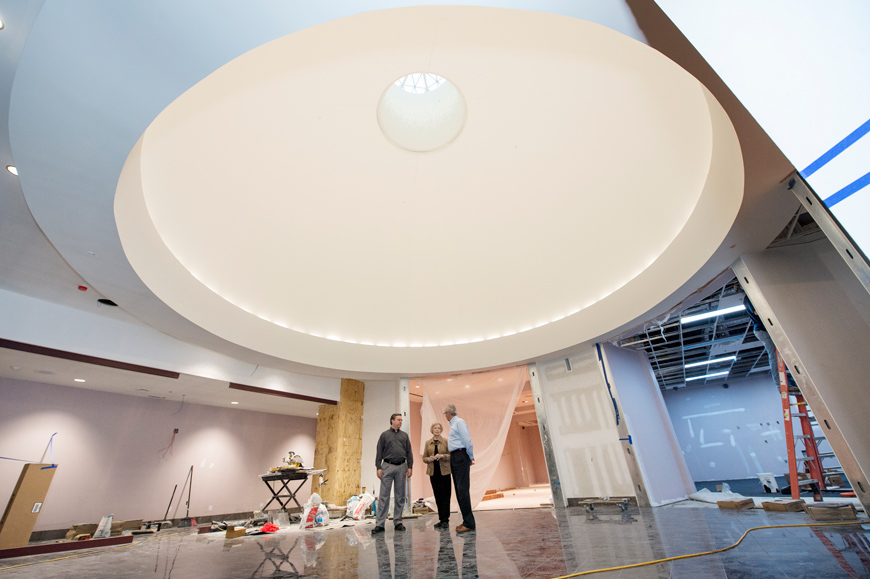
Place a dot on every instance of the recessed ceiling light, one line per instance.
(16, 367)
(233, 402)
(78, 379)
(713, 375)
(468, 385)
(716, 361)
(12, 169)
(722, 312)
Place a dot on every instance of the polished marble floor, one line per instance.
(542, 543)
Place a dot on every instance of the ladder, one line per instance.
(811, 460)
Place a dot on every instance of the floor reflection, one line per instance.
(527, 544)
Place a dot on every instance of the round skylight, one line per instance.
(420, 82)
(421, 112)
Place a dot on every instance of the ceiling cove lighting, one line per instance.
(713, 375)
(704, 316)
(716, 361)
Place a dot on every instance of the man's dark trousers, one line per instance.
(460, 469)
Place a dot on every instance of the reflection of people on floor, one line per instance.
(437, 459)
(469, 556)
(446, 558)
(402, 552)
(385, 568)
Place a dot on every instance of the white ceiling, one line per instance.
(94, 76)
(229, 210)
(26, 366)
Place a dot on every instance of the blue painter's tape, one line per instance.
(607, 382)
(836, 149)
(848, 190)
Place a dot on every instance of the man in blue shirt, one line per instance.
(461, 458)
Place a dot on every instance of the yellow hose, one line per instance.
(644, 564)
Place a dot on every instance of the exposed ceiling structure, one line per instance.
(715, 349)
(517, 222)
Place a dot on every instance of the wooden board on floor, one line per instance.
(24, 504)
(66, 546)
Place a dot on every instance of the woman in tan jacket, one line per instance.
(438, 459)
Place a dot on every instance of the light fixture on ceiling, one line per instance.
(12, 169)
(78, 379)
(233, 402)
(16, 367)
(468, 385)
(141, 390)
(704, 316)
(713, 375)
(716, 361)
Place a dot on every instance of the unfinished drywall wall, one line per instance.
(818, 314)
(112, 458)
(588, 453)
(665, 474)
(730, 433)
(381, 400)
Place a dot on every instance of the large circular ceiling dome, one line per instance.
(585, 177)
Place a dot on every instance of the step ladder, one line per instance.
(811, 460)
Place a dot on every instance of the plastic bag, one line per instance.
(365, 501)
(104, 529)
(313, 501)
(351, 505)
(322, 517)
(309, 518)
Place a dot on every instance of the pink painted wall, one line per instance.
(108, 451)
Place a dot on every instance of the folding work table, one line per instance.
(278, 481)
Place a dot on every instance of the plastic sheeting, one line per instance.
(486, 401)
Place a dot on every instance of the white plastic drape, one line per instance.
(486, 401)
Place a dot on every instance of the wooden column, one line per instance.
(338, 444)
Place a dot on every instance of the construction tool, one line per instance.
(187, 521)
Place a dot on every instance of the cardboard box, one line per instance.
(80, 530)
(736, 504)
(832, 512)
(28, 496)
(834, 480)
(233, 532)
(784, 505)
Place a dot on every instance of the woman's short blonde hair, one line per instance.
(434, 424)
